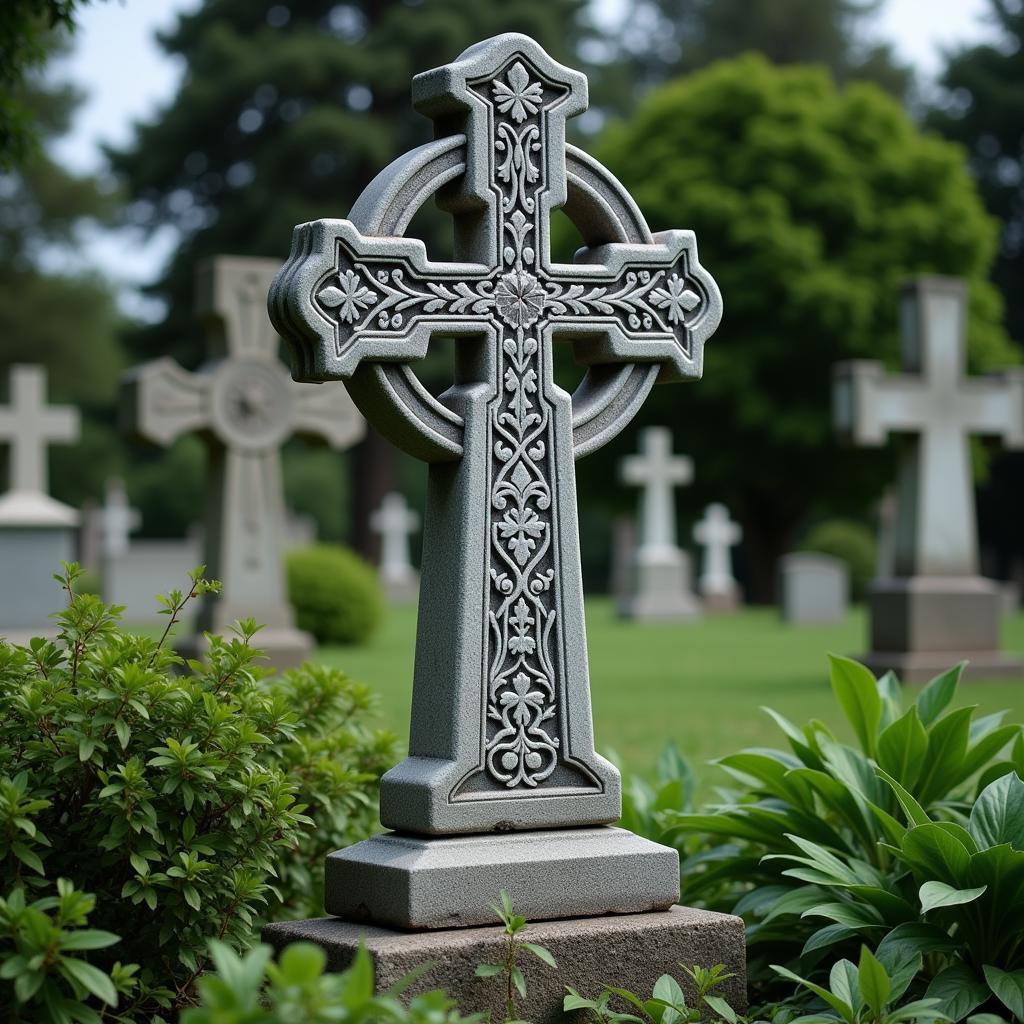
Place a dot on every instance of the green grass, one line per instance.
(701, 685)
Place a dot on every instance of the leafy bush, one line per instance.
(254, 990)
(182, 802)
(851, 542)
(336, 595)
(911, 841)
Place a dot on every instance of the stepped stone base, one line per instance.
(420, 882)
(923, 625)
(630, 951)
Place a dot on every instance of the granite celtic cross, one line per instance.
(501, 727)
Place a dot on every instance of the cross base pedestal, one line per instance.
(661, 589)
(630, 951)
(923, 625)
(284, 647)
(401, 590)
(420, 882)
(721, 602)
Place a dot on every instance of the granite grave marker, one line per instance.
(502, 788)
(936, 609)
(245, 407)
(718, 534)
(395, 521)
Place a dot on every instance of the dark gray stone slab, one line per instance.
(443, 882)
(630, 951)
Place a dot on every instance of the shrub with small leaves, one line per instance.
(252, 989)
(337, 596)
(181, 797)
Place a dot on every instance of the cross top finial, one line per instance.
(29, 426)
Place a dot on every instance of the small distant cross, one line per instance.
(29, 425)
(395, 521)
(659, 472)
(717, 533)
(118, 520)
(939, 408)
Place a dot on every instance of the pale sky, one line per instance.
(115, 59)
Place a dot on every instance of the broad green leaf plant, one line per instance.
(909, 841)
(163, 805)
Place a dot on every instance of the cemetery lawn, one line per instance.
(701, 685)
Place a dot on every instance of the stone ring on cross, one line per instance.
(501, 726)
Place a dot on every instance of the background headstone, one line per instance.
(37, 532)
(936, 609)
(395, 521)
(623, 553)
(661, 587)
(502, 789)
(245, 407)
(717, 534)
(815, 588)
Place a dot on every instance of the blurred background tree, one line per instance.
(981, 106)
(811, 204)
(48, 312)
(286, 111)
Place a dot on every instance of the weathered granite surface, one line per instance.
(935, 408)
(244, 407)
(630, 951)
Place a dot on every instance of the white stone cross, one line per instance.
(245, 406)
(395, 521)
(29, 425)
(659, 472)
(717, 533)
(118, 519)
(938, 407)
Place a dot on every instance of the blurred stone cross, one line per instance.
(936, 608)
(243, 405)
(501, 736)
(28, 425)
(37, 532)
(118, 519)
(660, 578)
(395, 521)
(717, 534)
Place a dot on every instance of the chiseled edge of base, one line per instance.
(920, 667)
(631, 950)
(421, 882)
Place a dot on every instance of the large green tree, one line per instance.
(811, 205)
(65, 320)
(285, 112)
(982, 107)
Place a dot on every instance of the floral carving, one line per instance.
(349, 296)
(520, 97)
(519, 298)
(676, 299)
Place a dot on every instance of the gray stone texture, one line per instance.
(935, 607)
(244, 406)
(815, 588)
(447, 882)
(630, 951)
(134, 577)
(661, 577)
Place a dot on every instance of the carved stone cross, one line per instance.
(658, 472)
(935, 609)
(29, 426)
(938, 407)
(245, 407)
(395, 521)
(717, 533)
(501, 735)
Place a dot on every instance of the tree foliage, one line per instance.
(811, 204)
(983, 109)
